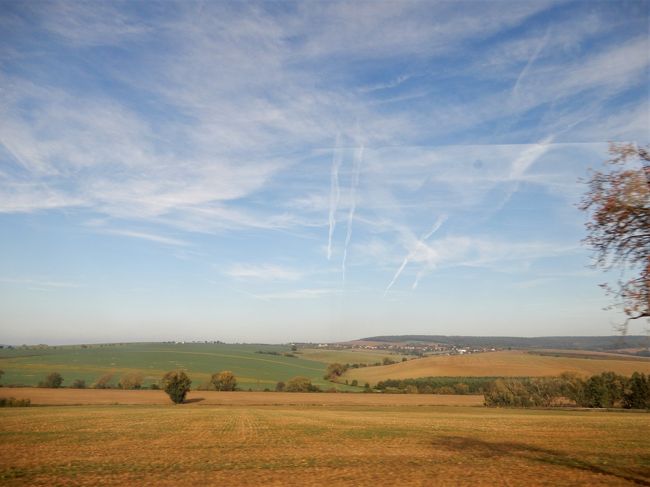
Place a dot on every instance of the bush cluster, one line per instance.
(52, 381)
(299, 384)
(223, 381)
(12, 402)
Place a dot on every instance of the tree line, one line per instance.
(436, 385)
(176, 383)
(606, 390)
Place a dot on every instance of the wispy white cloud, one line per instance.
(529, 63)
(39, 283)
(151, 237)
(385, 86)
(263, 272)
(335, 195)
(88, 23)
(356, 171)
(414, 250)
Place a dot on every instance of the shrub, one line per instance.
(280, 386)
(354, 383)
(176, 384)
(223, 381)
(301, 384)
(12, 402)
(334, 371)
(103, 382)
(130, 380)
(79, 384)
(53, 381)
(154, 387)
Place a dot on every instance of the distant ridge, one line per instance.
(612, 342)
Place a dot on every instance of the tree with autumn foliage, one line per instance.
(618, 203)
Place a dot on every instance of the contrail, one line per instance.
(358, 158)
(335, 194)
(531, 60)
(438, 223)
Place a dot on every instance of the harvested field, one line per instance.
(498, 364)
(61, 397)
(331, 445)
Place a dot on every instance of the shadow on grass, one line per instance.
(194, 399)
(488, 449)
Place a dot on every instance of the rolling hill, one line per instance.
(499, 364)
(255, 366)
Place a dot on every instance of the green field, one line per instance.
(27, 366)
(321, 445)
(348, 356)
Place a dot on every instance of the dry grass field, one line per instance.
(96, 397)
(498, 364)
(326, 445)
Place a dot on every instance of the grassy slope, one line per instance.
(496, 364)
(347, 356)
(208, 445)
(252, 369)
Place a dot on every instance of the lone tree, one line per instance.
(176, 384)
(618, 203)
(53, 381)
(224, 381)
(334, 371)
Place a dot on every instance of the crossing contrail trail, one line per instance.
(438, 223)
(335, 194)
(358, 159)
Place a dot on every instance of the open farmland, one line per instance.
(348, 356)
(326, 445)
(499, 364)
(253, 370)
(71, 397)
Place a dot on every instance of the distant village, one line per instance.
(418, 349)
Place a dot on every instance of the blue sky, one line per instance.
(316, 171)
